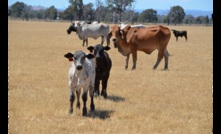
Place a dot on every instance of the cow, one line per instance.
(179, 33)
(94, 31)
(124, 24)
(103, 67)
(130, 40)
(81, 74)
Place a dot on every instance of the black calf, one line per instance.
(103, 67)
(179, 34)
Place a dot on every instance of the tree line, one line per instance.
(114, 11)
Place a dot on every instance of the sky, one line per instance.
(204, 5)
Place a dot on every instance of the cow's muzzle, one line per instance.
(68, 31)
(79, 67)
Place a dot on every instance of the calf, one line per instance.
(103, 67)
(81, 74)
(179, 33)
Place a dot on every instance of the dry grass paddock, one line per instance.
(176, 101)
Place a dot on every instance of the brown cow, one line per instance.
(130, 40)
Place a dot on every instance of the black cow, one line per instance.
(103, 67)
(179, 33)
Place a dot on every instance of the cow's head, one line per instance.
(71, 28)
(116, 33)
(78, 58)
(98, 51)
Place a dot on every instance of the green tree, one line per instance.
(199, 19)
(119, 6)
(189, 19)
(17, 9)
(68, 13)
(78, 8)
(176, 14)
(26, 12)
(98, 10)
(9, 11)
(51, 13)
(148, 15)
(206, 20)
(161, 18)
(88, 12)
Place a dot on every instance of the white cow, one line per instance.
(124, 24)
(93, 31)
(81, 75)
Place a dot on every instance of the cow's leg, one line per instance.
(102, 40)
(86, 41)
(166, 57)
(134, 56)
(72, 98)
(91, 91)
(84, 98)
(104, 85)
(108, 41)
(96, 87)
(83, 42)
(78, 92)
(176, 38)
(159, 58)
(185, 37)
(127, 60)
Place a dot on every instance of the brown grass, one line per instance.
(177, 101)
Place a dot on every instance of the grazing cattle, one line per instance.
(103, 67)
(130, 40)
(81, 74)
(94, 31)
(179, 33)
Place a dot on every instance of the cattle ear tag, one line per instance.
(70, 58)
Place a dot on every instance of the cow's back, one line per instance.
(103, 68)
(98, 28)
(149, 39)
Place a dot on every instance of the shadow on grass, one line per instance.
(115, 98)
(101, 114)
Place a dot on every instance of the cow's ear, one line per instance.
(106, 48)
(69, 56)
(90, 56)
(130, 35)
(90, 48)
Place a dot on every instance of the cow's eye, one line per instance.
(82, 58)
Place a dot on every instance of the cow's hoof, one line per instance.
(84, 111)
(105, 95)
(70, 112)
(78, 105)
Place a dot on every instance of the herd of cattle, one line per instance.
(87, 70)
